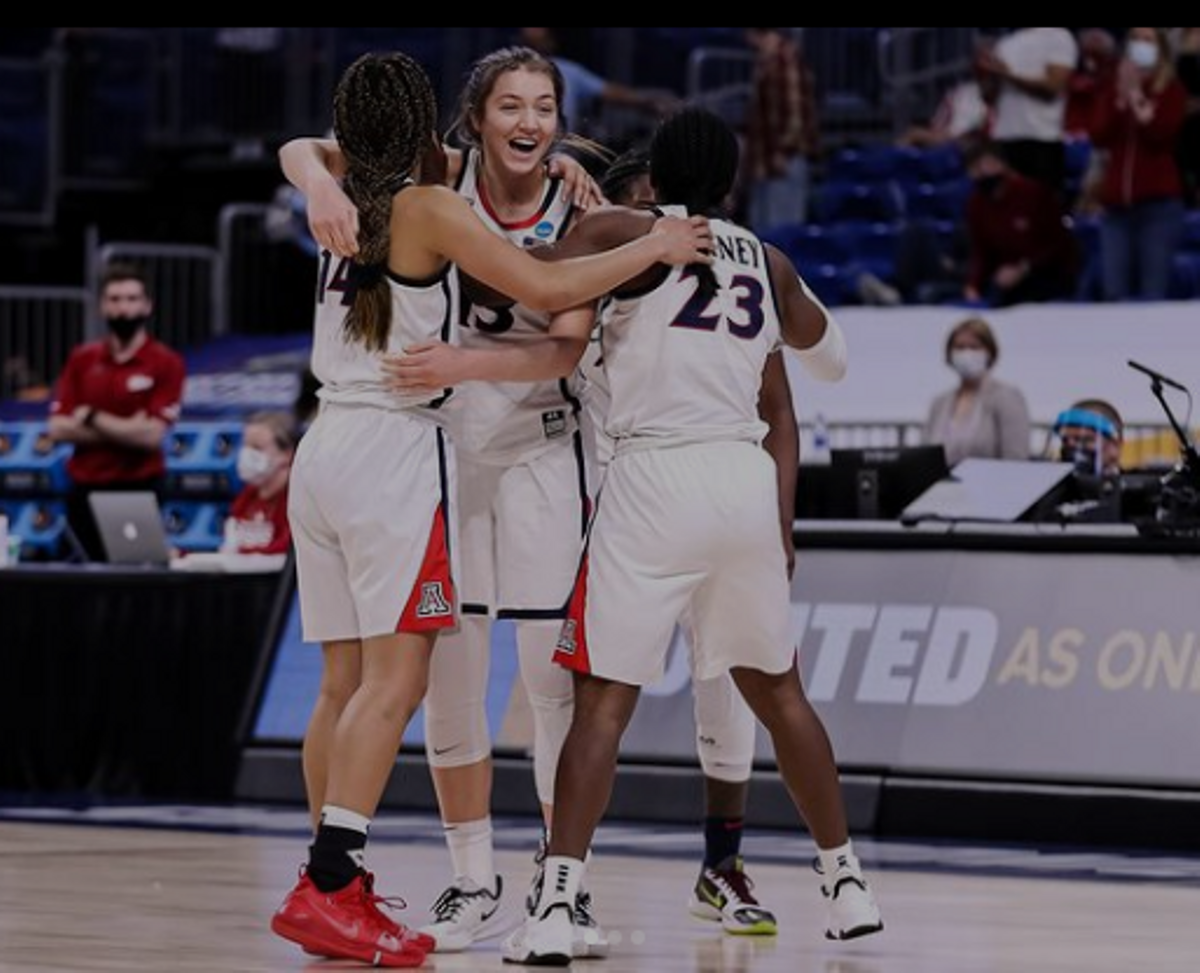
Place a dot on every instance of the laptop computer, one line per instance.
(131, 527)
(996, 490)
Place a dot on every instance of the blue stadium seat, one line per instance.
(830, 282)
(1185, 277)
(30, 464)
(807, 243)
(868, 246)
(1189, 240)
(39, 523)
(946, 201)
(942, 163)
(1087, 233)
(880, 163)
(202, 459)
(838, 202)
(194, 525)
(847, 166)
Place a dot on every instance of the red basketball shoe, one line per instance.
(345, 924)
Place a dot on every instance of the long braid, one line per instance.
(384, 114)
(693, 163)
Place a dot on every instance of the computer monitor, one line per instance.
(877, 483)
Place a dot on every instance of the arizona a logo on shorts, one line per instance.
(433, 603)
(566, 640)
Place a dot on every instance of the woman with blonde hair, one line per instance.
(982, 416)
(1138, 122)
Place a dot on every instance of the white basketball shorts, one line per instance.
(370, 505)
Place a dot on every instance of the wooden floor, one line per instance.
(83, 897)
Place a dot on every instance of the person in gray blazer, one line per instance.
(983, 417)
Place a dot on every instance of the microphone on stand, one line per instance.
(1179, 501)
(1158, 376)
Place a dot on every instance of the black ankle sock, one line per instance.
(335, 857)
(722, 840)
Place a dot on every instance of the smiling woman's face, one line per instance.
(519, 121)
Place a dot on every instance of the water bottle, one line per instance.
(819, 454)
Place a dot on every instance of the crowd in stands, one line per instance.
(1058, 165)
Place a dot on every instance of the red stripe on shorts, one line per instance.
(431, 603)
(572, 651)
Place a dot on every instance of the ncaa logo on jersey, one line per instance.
(433, 603)
(544, 230)
(566, 640)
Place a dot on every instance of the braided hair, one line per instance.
(693, 163)
(384, 115)
(624, 171)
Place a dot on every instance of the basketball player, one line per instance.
(725, 725)
(686, 528)
(524, 489)
(373, 479)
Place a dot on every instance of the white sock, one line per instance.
(587, 863)
(471, 852)
(341, 817)
(834, 858)
(561, 884)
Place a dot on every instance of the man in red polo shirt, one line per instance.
(115, 400)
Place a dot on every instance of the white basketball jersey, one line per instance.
(503, 422)
(682, 367)
(348, 371)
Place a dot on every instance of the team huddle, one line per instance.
(473, 399)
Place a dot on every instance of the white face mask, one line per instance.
(1143, 53)
(970, 363)
(253, 465)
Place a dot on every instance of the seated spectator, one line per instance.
(1020, 247)
(965, 111)
(1090, 435)
(983, 416)
(1137, 121)
(258, 521)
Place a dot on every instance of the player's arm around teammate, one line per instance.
(316, 167)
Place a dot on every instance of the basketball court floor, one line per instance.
(193, 888)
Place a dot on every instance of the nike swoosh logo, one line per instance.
(441, 750)
(347, 930)
(487, 915)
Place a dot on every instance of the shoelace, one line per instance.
(847, 874)
(735, 884)
(583, 910)
(450, 904)
(373, 903)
